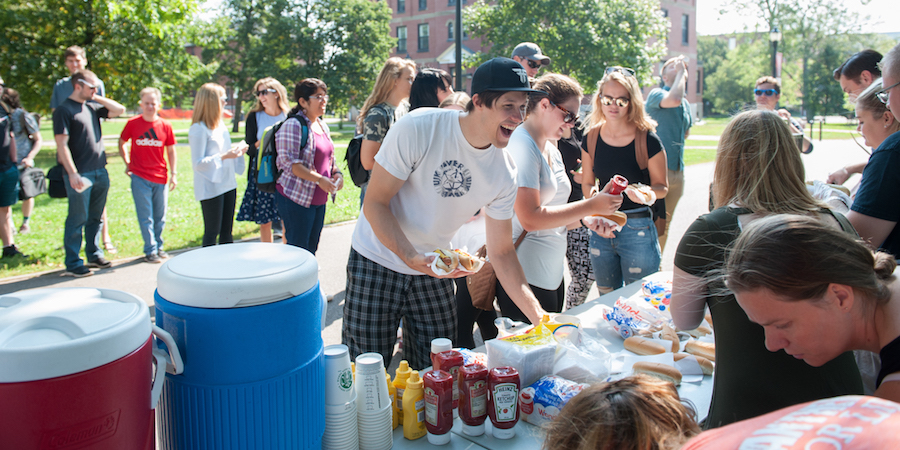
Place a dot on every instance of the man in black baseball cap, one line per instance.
(435, 168)
(528, 54)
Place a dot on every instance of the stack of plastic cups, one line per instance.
(373, 402)
(341, 431)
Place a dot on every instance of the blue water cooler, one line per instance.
(247, 319)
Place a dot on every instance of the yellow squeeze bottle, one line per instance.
(392, 392)
(414, 407)
(400, 384)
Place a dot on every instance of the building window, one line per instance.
(450, 28)
(685, 21)
(453, 2)
(664, 12)
(423, 5)
(423, 37)
(401, 39)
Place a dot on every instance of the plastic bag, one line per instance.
(581, 358)
(836, 198)
(531, 354)
(542, 401)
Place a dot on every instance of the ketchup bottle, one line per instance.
(472, 384)
(439, 345)
(619, 185)
(503, 398)
(438, 406)
(450, 361)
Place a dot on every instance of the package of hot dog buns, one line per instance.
(549, 394)
(532, 354)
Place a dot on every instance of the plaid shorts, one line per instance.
(377, 298)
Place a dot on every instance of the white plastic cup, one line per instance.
(372, 394)
(561, 319)
(369, 363)
(338, 375)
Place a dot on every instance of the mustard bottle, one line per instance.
(400, 377)
(414, 408)
(392, 392)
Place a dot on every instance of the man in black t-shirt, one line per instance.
(79, 148)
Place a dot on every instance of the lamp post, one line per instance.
(774, 37)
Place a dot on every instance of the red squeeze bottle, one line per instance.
(503, 401)
(438, 406)
(619, 185)
(450, 361)
(473, 384)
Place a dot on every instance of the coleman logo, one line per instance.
(84, 433)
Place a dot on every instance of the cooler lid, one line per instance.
(48, 333)
(237, 275)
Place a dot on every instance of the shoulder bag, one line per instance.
(482, 285)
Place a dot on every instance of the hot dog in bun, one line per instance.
(643, 192)
(446, 260)
(658, 370)
(617, 218)
(468, 262)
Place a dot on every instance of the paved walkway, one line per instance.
(139, 278)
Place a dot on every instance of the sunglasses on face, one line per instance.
(321, 98)
(620, 101)
(623, 70)
(262, 92)
(569, 116)
(88, 85)
(884, 94)
(766, 92)
(533, 64)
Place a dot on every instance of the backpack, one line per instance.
(358, 173)
(267, 171)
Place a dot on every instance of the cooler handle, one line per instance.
(156, 390)
(174, 364)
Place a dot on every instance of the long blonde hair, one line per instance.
(636, 113)
(758, 166)
(384, 84)
(208, 105)
(269, 82)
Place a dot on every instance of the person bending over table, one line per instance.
(758, 172)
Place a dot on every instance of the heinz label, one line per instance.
(431, 407)
(478, 398)
(505, 397)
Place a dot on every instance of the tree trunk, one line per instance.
(237, 112)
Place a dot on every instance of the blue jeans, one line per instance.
(85, 212)
(302, 225)
(631, 255)
(150, 201)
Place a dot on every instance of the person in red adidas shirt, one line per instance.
(152, 140)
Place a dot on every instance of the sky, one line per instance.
(885, 17)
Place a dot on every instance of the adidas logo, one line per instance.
(149, 139)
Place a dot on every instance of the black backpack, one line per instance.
(358, 173)
(267, 171)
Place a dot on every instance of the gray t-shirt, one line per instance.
(542, 253)
(23, 125)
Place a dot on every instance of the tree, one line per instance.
(131, 44)
(730, 86)
(342, 42)
(711, 53)
(583, 36)
(826, 95)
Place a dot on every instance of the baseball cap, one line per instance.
(531, 51)
(501, 74)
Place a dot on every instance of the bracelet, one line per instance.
(582, 222)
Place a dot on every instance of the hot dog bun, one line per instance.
(704, 349)
(467, 261)
(643, 191)
(661, 371)
(669, 334)
(446, 260)
(705, 364)
(643, 346)
(617, 216)
(702, 330)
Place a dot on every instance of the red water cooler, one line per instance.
(78, 370)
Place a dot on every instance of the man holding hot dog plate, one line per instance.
(434, 170)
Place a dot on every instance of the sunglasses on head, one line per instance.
(533, 64)
(262, 92)
(766, 92)
(224, 98)
(88, 85)
(569, 116)
(620, 101)
(623, 70)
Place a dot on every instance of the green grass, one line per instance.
(184, 222)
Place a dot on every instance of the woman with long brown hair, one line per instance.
(616, 127)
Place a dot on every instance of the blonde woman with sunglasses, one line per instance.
(617, 121)
(270, 108)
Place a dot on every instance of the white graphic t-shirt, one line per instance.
(447, 181)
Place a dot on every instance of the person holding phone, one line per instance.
(216, 163)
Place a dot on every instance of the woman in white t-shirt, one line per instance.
(543, 191)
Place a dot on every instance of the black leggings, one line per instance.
(218, 218)
(467, 315)
(551, 301)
